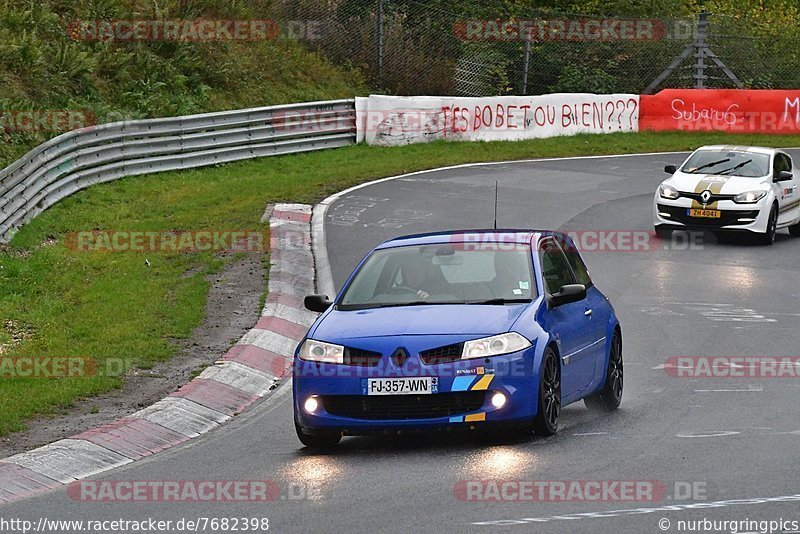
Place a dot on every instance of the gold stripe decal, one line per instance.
(483, 383)
(711, 183)
(787, 207)
(701, 186)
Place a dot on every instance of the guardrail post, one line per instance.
(379, 43)
(526, 64)
(700, 50)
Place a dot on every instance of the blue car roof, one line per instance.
(521, 235)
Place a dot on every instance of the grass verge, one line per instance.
(112, 307)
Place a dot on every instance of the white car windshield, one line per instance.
(441, 274)
(731, 163)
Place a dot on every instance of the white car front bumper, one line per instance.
(735, 217)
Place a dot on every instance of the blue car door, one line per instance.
(598, 307)
(572, 325)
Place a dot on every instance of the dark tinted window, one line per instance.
(782, 163)
(576, 262)
(555, 269)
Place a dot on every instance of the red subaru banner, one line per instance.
(727, 110)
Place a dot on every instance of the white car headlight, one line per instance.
(668, 192)
(494, 346)
(319, 351)
(749, 197)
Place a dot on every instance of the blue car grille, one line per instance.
(446, 354)
(404, 406)
(361, 358)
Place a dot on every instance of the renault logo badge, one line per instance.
(705, 196)
(399, 357)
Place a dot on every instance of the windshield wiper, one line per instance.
(394, 304)
(351, 307)
(372, 306)
(736, 167)
(413, 303)
(707, 165)
(500, 301)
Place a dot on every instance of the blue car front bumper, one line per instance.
(462, 394)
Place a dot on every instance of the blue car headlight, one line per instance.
(319, 351)
(495, 346)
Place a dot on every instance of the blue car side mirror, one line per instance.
(317, 303)
(568, 293)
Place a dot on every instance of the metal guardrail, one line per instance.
(80, 158)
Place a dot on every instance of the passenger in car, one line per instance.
(510, 280)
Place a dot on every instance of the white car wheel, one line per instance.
(768, 237)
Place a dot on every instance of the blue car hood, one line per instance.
(478, 320)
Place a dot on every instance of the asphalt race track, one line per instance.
(730, 439)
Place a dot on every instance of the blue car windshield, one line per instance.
(452, 273)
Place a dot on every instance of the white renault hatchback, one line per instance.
(731, 189)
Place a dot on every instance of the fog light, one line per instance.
(498, 400)
(311, 405)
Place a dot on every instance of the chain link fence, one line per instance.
(408, 47)
(766, 58)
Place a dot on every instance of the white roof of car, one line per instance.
(739, 148)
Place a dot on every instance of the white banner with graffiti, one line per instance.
(392, 120)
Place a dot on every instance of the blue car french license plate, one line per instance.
(400, 386)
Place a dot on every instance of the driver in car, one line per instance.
(420, 276)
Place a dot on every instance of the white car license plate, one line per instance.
(402, 386)
(708, 214)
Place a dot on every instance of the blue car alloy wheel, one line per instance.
(466, 329)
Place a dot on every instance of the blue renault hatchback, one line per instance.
(458, 329)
